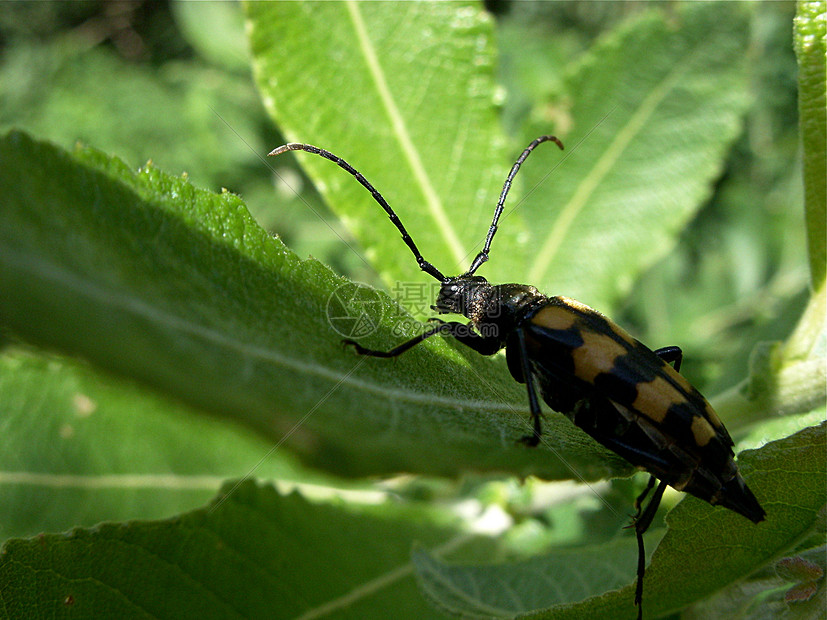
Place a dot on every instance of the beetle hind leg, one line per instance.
(641, 522)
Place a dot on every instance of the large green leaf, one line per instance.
(251, 554)
(647, 116)
(506, 590)
(406, 94)
(703, 550)
(147, 276)
(80, 447)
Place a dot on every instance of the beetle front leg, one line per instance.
(460, 331)
(490, 345)
(397, 350)
(640, 498)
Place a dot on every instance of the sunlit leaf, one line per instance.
(647, 116)
(406, 94)
(149, 277)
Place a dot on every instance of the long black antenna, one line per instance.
(423, 264)
(483, 255)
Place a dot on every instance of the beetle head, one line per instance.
(465, 294)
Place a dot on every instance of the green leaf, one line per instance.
(406, 94)
(704, 549)
(647, 116)
(251, 554)
(82, 447)
(179, 288)
(644, 145)
(507, 590)
(810, 35)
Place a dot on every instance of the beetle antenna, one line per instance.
(423, 264)
(483, 255)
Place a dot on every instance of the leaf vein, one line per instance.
(432, 200)
(636, 122)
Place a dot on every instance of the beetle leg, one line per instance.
(642, 497)
(462, 332)
(641, 523)
(533, 404)
(399, 349)
(671, 355)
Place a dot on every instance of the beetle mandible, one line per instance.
(625, 395)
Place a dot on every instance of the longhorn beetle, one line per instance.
(619, 391)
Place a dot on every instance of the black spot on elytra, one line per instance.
(616, 387)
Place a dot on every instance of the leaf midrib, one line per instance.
(187, 482)
(433, 202)
(380, 582)
(601, 168)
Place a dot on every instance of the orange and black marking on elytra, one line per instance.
(626, 396)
